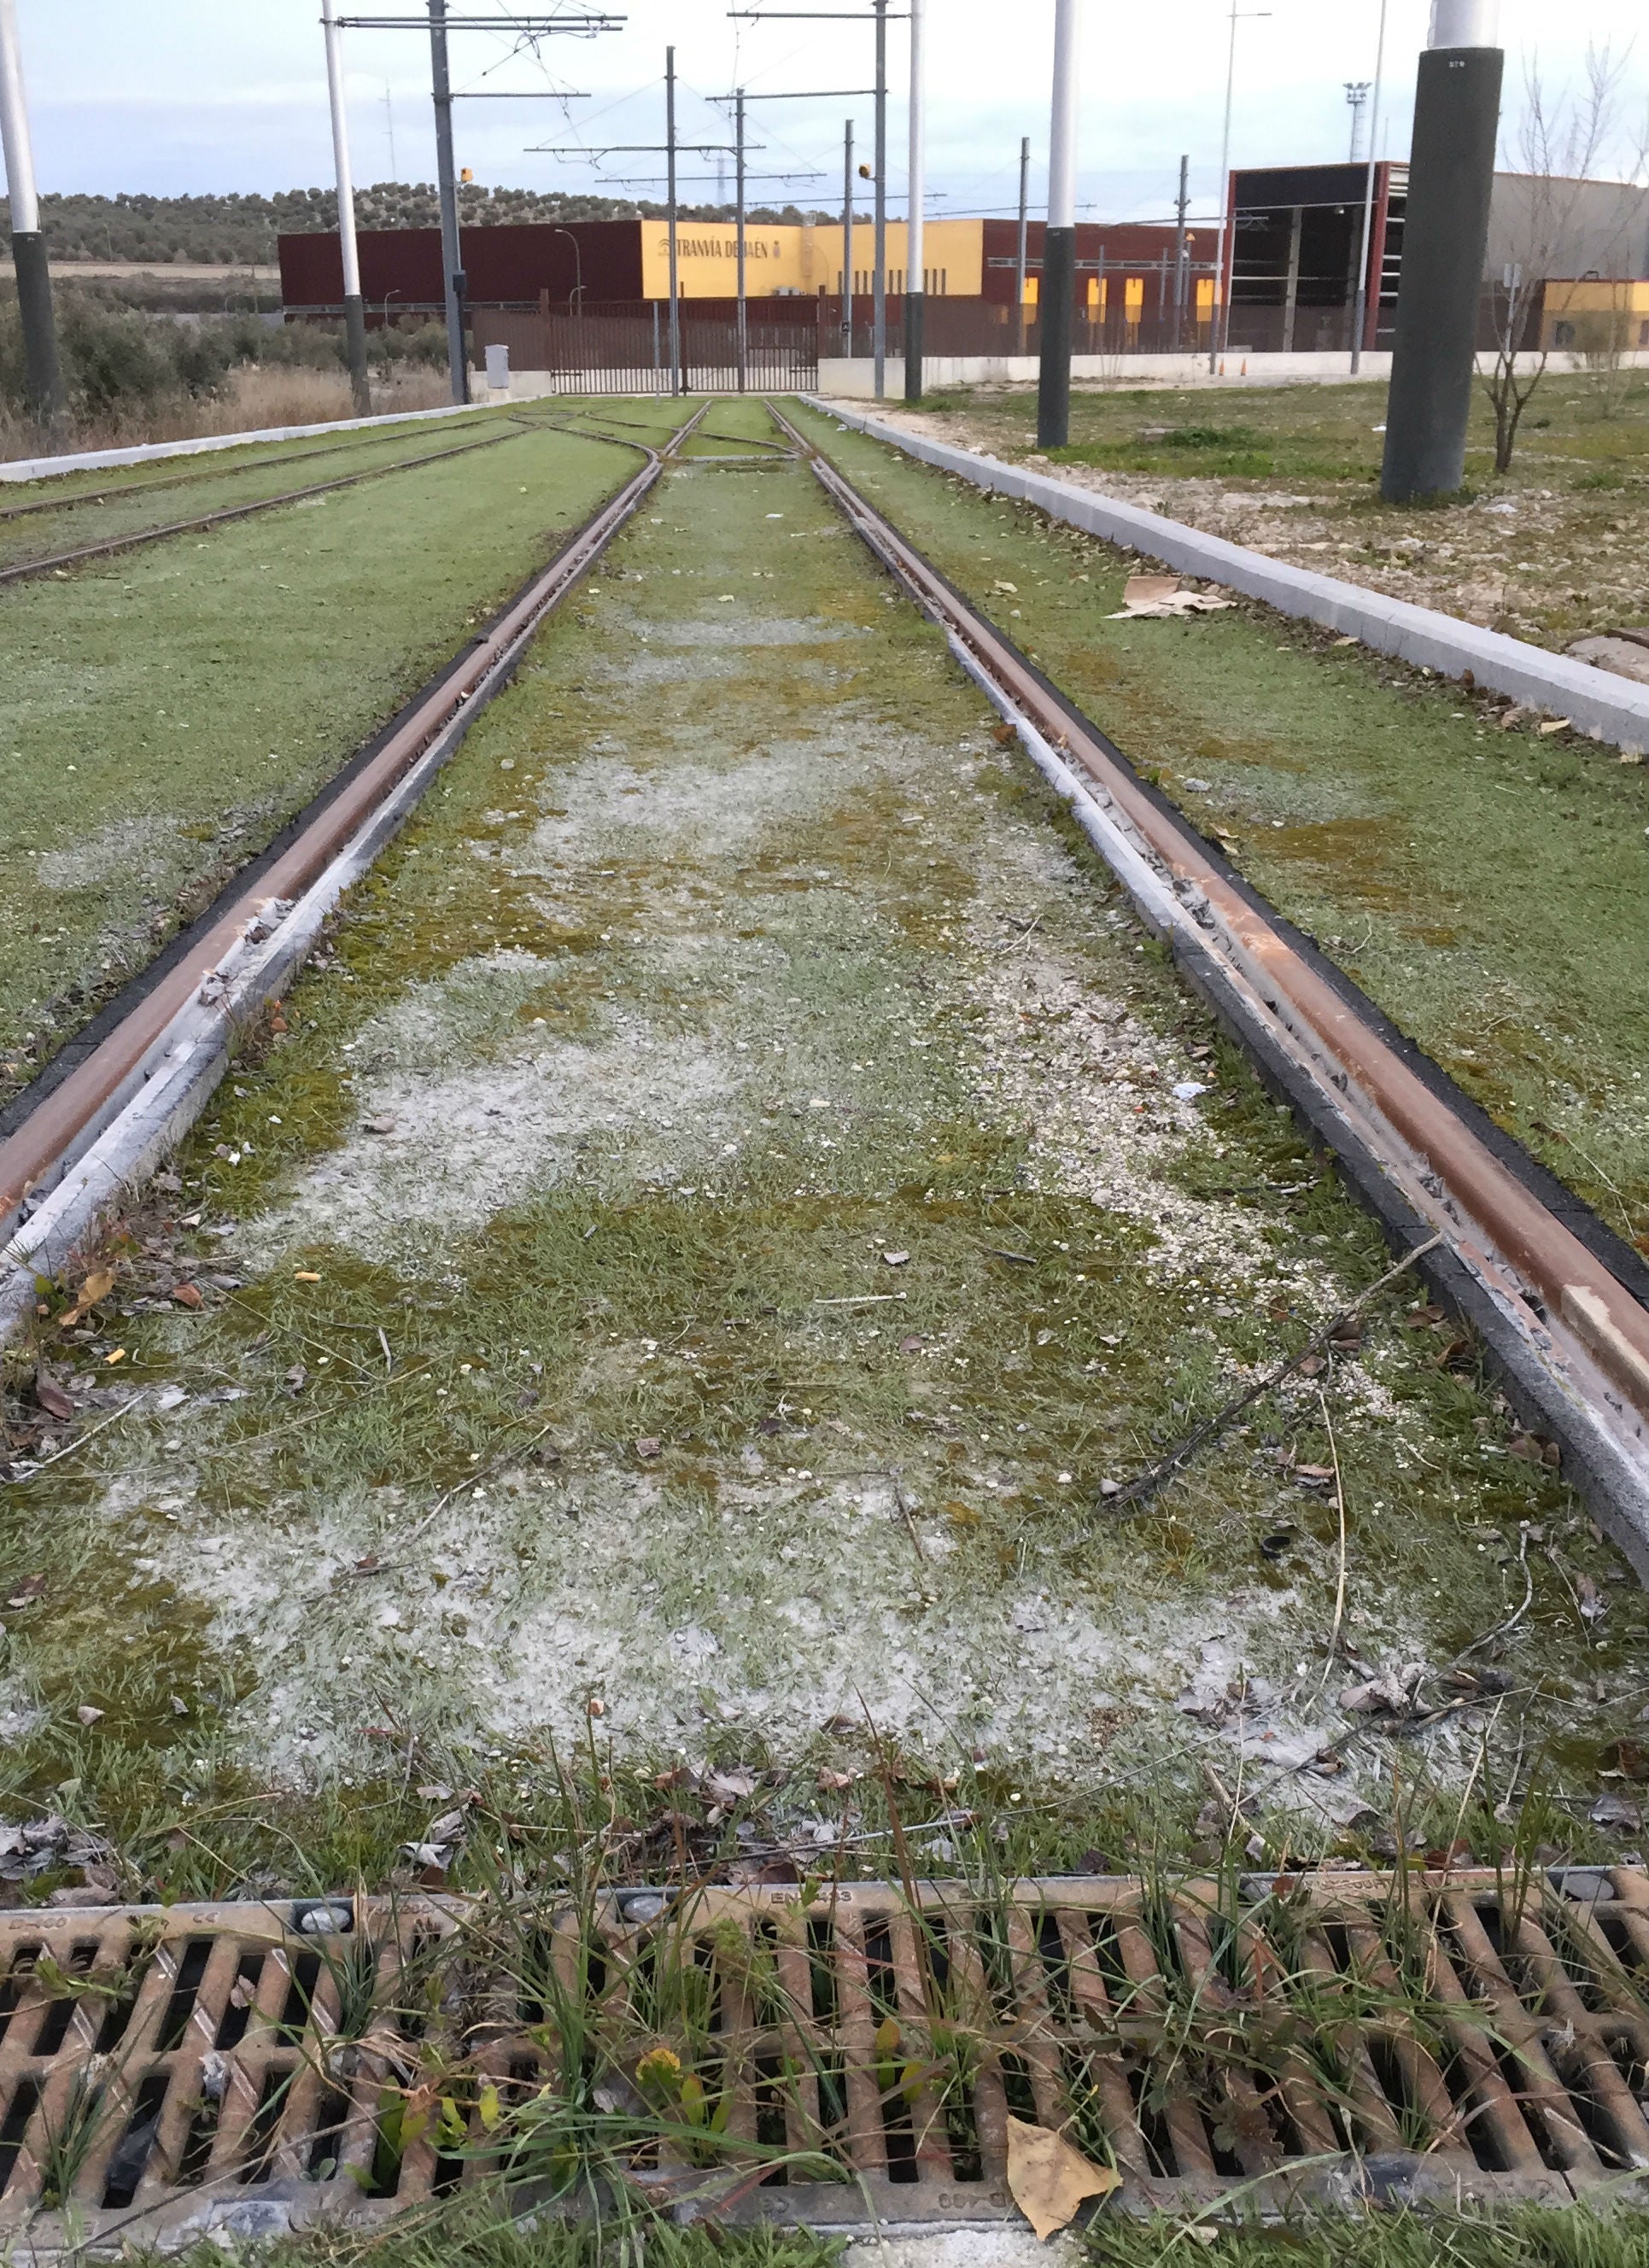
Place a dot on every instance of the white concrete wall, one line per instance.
(852, 380)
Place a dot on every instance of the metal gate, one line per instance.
(627, 349)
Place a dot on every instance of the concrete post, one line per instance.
(354, 314)
(1445, 232)
(447, 185)
(42, 376)
(916, 269)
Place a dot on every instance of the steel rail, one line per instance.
(211, 471)
(61, 561)
(69, 1117)
(1584, 1326)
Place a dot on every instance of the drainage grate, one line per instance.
(1331, 2037)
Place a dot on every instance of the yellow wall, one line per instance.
(806, 259)
(1596, 312)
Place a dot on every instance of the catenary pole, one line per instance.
(1059, 240)
(447, 184)
(1444, 236)
(1360, 305)
(915, 249)
(1020, 262)
(744, 357)
(1182, 205)
(847, 239)
(42, 376)
(354, 314)
(669, 161)
(879, 281)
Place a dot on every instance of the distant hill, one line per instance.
(241, 229)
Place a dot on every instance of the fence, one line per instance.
(626, 348)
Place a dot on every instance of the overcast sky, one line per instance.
(193, 95)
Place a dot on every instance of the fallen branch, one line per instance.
(1156, 1477)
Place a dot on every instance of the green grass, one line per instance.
(653, 1287)
(165, 712)
(1487, 888)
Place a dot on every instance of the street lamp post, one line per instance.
(1059, 240)
(1219, 328)
(916, 268)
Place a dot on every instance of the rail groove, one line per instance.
(53, 1184)
(1572, 1337)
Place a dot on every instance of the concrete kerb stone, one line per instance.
(1608, 708)
(143, 453)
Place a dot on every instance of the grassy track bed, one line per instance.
(167, 711)
(1485, 887)
(156, 497)
(671, 1297)
(1550, 550)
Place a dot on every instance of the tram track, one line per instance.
(52, 1190)
(59, 563)
(1553, 1293)
(1559, 1298)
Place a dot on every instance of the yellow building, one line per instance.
(1596, 314)
(803, 261)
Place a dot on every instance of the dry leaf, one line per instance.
(1050, 2179)
(51, 1397)
(97, 1286)
(186, 1295)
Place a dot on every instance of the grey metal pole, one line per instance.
(1217, 312)
(675, 283)
(915, 250)
(446, 183)
(1182, 205)
(1019, 264)
(879, 281)
(1444, 235)
(1059, 240)
(42, 375)
(739, 170)
(1360, 303)
(354, 314)
(847, 241)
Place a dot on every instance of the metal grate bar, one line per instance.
(166, 2071)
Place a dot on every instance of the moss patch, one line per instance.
(1485, 887)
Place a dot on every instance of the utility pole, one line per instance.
(1219, 329)
(1059, 240)
(447, 184)
(1182, 205)
(879, 281)
(42, 376)
(669, 162)
(1359, 299)
(1445, 232)
(354, 316)
(847, 241)
(916, 256)
(1025, 228)
(738, 138)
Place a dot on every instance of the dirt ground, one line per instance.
(1552, 550)
(736, 1189)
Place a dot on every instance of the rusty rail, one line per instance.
(61, 562)
(50, 1138)
(1579, 1319)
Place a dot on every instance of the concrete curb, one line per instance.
(1607, 708)
(95, 461)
